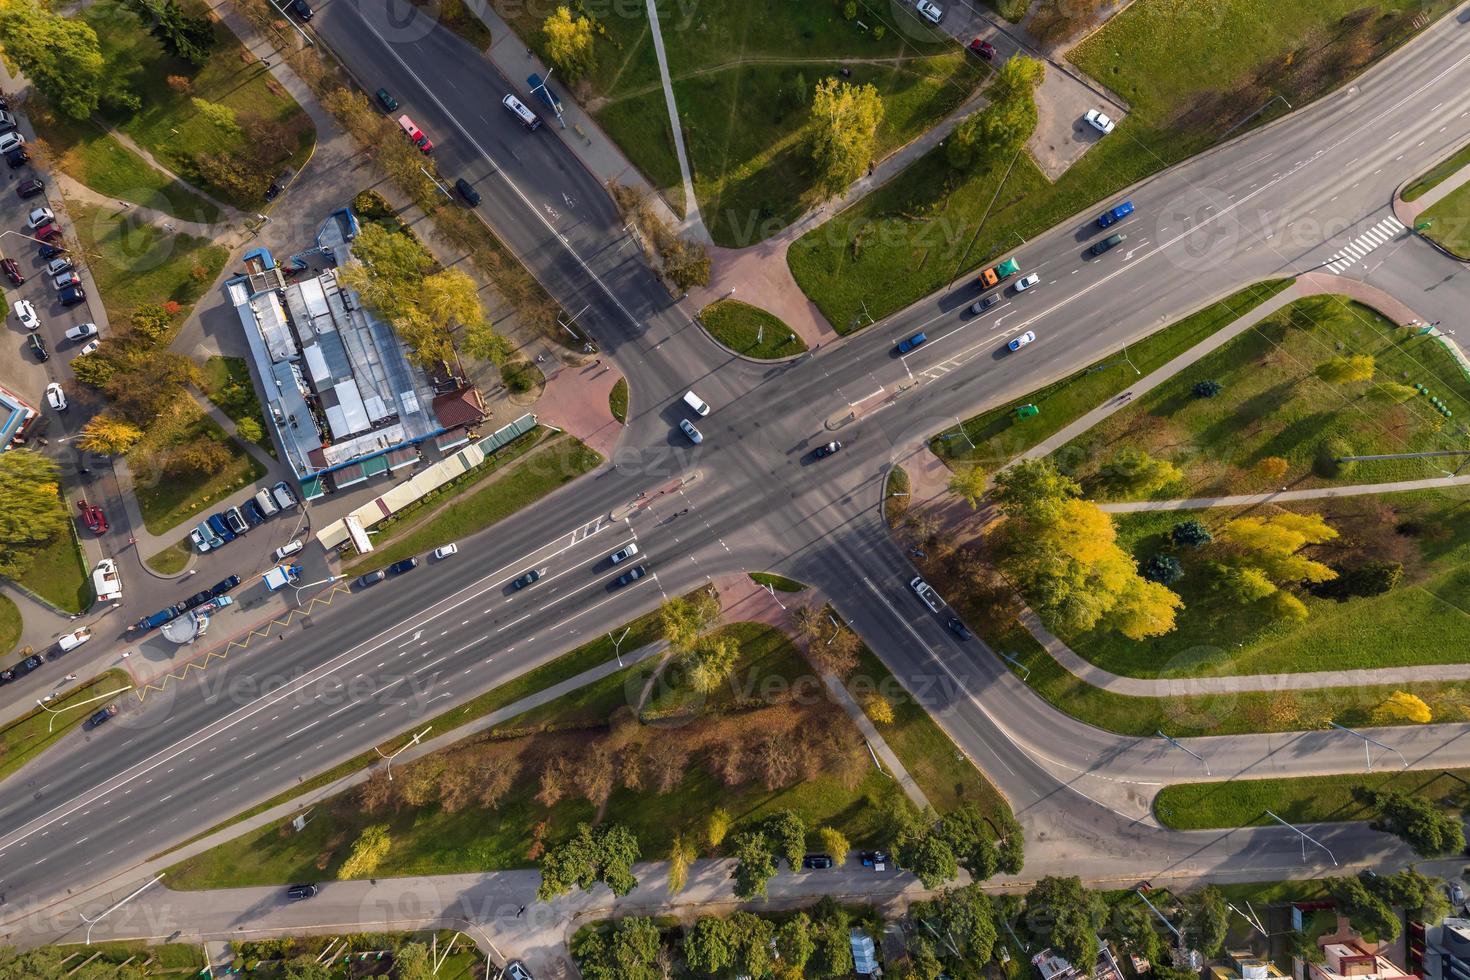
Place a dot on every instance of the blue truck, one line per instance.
(1115, 215)
(158, 619)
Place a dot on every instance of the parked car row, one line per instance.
(169, 613)
(220, 529)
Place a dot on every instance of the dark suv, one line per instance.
(300, 893)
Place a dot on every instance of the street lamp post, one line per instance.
(141, 888)
(618, 643)
(326, 581)
(101, 697)
(396, 752)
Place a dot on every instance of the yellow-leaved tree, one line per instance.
(569, 43)
(844, 129)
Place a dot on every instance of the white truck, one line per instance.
(926, 592)
(106, 582)
(281, 576)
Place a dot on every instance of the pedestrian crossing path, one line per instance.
(1359, 247)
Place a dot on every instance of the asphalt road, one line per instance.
(1280, 200)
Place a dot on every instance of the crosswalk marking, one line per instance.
(1356, 250)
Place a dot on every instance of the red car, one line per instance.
(984, 49)
(415, 135)
(95, 519)
(12, 271)
(48, 232)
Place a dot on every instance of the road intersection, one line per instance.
(1276, 202)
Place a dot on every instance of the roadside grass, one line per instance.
(429, 840)
(168, 499)
(172, 128)
(31, 734)
(456, 15)
(768, 670)
(228, 384)
(750, 330)
(1451, 217)
(778, 582)
(173, 559)
(896, 498)
(617, 400)
(181, 958)
(1298, 800)
(999, 436)
(1431, 178)
(132, 262)
(1422, 621)
(1274, 406)
(1191, 72)
(57, 572)
(10, 624)
(94, 157)
(947, 777)
(557, 462)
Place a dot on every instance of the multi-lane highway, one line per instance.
(1281, 200)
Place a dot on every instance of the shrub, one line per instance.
(1329, 463)
(1191, 534)
(1369, 579)
(1164, 569)
(849, 10)
(1207, 388)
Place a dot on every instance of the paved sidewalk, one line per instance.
(1279, 496)
(694, 222)
(1408, 211)
(576, 399)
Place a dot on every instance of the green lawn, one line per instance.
(778, 582)
(165, 957)
(10, 624)
(167, 500)
(1306, 799)
(559, 461)
(1430, 179)
(171, 560)
(750, 330)
(58, 573)
(227, 383)
(896, 491)
(1189, 79)
(29, 735)
(617, 400)
(999, 436)
(273, 131)
(132, 262)
(1451, 217)
(95, 158)
(1423, 621)
(1273, 405)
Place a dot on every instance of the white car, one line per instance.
(930, 11)
(39, 217)
(55, 397)
(623, 554)
(1022, 340)
(26, 314)
(57, 266)
(1099, 121)
(91, 348)
(1027, 282)
(10, 141)
(71, 641)
(82, 331)
(446, 551)
(201, 543)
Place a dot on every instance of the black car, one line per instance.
(817, 862)
(100, 717)
(1107, 243)
(197, 599)
(27, 665)
(301, 9)
(279, 184)
(252, 512)
(467, 191)
(527, 579)
(72, 295)
(632, 575)
(406, 565)
(6, 676)
(38, 347)
(17, 157)
(50, 250)
(386, 100)
(299, 893)
(871, 859)
(958, 628)
(30, 187)
(372, 578)
(224, 586)
(827, 450)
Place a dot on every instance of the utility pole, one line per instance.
(56, 711)
(618, 643)
(396, 752)
(1305, 838)
(1181, 748)
(1367, 742)
(141, 888)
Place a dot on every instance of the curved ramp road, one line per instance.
(1281, 200)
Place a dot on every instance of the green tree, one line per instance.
(1033, 488)
(681, 856)
(832, 956)
(685, 620)
(834, 843)
(60, 55)
(605, 853)
(107, 436)
(1075, 915)
(1208, 388)
(481, 342)
(718, 826)
(1138, 929)
(794, 941)
(968, 483)
(218, 115)
(1206, 920)
(151, 322)
(755, 864)
(844, 129)
(569, 43)
(968, 834)
(786, 833)
(1133, 471)
(60, 963)
(249, 430)
(626, 951)
(712, 661)
(411, 961)
(305, 967)
(966, 918)
(1366, 910)
(750, 944)
(1163, 569)
(31, 509)
(928, 855)
(709, 945)
(1421, 824)
(368, 851)
(1191, 534)
(1420, 896)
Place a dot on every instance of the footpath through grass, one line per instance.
(999, 435)
(227, 383)
(31, 734)
(1431, 179)
(133, 262)
(750, 330)
(1424, 620)
(1305, 799)
(1273, 405)
(558, 461)
(167, 499)
(1191, 72)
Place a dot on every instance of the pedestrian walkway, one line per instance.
(693, 222)
(74, 189)
(1409, 211)
(576, 399)
(1358, 249)
(1283, 496)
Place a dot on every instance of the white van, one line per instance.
(288, 549)
(696, 403)
(265, 503)
(517, 108)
